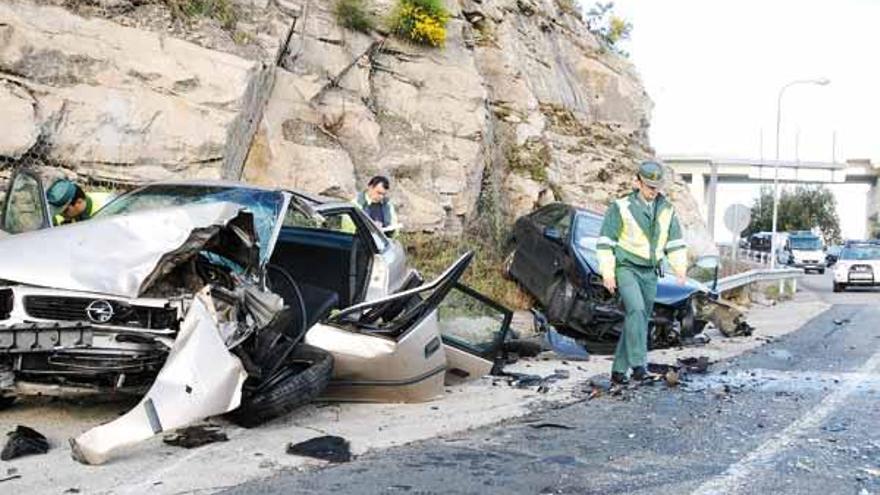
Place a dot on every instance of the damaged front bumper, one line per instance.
(48, 346)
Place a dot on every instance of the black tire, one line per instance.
(838, 287)
(6, 401)
(821, 271)
(301, 381)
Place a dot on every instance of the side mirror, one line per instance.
(553, 234)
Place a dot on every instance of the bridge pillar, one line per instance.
(872, 219)
(698, 191)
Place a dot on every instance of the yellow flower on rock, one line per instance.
(419, 25)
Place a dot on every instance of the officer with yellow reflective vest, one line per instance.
(638, 231)
(71, 203)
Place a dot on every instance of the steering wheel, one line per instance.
(281, 282)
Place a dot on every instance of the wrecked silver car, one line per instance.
(218, 297)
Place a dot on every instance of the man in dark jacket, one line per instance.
(375, 203)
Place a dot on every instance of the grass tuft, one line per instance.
(431, 254)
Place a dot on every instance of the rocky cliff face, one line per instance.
(521, 107)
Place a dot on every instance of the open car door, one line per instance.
(401, 348)
(25, 207)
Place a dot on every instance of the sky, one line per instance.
(714, 70)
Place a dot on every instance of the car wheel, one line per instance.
(303, 379)
(838, 287)
(821, 271)
(6, 401)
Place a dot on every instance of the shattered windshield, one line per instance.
(264, 205)
(586, 233)
(806, 243)
(860, 253)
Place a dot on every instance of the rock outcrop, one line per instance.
(116, 103)
(521, 107)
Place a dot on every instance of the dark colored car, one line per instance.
(554, 259)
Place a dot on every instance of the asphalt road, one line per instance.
(799, 415)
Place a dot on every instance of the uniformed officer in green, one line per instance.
(638, 231)
(71, 203)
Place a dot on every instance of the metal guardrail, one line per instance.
(752, 276)
(762, 257)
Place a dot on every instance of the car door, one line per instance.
(538, 245)
(473, 328)
(25, 207)
(402, 348)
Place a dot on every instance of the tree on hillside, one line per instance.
(607, 26)
(804, 208)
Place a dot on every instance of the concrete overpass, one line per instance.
(703, 174)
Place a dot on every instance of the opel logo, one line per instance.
(100, 311)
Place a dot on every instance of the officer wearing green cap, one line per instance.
(639, 230)
(71, 203)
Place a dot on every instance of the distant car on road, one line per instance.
(857, 265)
(804, 250)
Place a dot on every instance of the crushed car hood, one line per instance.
(122, 255)
(670, 293)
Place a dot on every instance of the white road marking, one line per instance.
(732, 479)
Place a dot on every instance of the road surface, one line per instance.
(799, 415)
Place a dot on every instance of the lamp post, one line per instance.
(773, 247)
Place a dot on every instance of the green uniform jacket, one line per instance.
(634, 234)
(94, 202)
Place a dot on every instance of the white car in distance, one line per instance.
(857, 265)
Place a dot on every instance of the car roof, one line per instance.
(576, 209)
(313, 198)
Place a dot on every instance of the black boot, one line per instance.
(618, 378)
(641, 374)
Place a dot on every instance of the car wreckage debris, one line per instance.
(563, 346)
(196, 436)
(555, 426)
(524, 380)
(699, 365)
(200, 359)
(24, 441)
(328, 448)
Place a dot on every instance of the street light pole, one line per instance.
(773, 247)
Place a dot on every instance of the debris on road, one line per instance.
(835, 427)
(328, 448)
(524, 380)
(874, 472)
(672, 378)
(24, 441)
(196, 436)
(523, 348)
(557, 426)
(565, 347)
(698, 365)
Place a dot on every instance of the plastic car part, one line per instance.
(24, 441)
(200, 378)
(328, 448)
